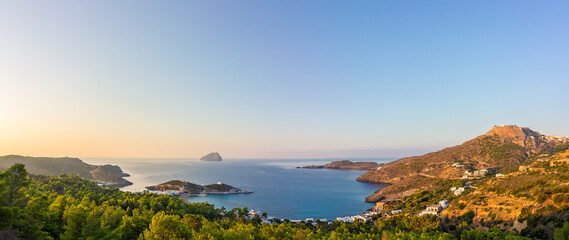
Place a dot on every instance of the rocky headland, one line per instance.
(179, 187)
(111, 175)
(212, 157)
(347, 164)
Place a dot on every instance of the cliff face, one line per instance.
(214, 157)
(499, 148)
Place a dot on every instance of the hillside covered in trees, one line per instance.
(68, 207)
(105, 174)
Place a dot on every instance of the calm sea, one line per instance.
(280, 189)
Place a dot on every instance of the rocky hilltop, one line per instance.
(107, 174)
(177, 185)
(213, 157)
(500, 148)
(347, 164)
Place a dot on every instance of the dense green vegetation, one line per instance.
(68, 207)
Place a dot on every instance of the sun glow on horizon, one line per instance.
(275, 79)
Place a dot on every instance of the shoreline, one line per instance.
(368, 189)
(184, 196)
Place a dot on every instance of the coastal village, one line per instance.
(183, 188)
(364, 217)
(461, 181)
(434, 209)
(515, 196)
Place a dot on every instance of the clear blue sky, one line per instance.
(276, 78)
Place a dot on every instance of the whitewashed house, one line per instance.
(433, 209)
(444, 203)
(395, 212)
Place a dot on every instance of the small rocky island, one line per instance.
(212, 157)
(181, 187)
(347, 164)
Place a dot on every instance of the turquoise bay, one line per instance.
(280, 189)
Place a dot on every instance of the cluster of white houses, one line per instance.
(364, 217)
(457, 191)
(270, 220)
(475, 174)
(253, 213)
(470, 174)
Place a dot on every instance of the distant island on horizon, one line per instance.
(212, 157)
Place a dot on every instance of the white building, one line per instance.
(364, 219)
(345, 219)
(457, 191)
(433, 209)
(444, 203)
(458, 165)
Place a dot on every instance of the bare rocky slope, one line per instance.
(107, 174)
(500, 148)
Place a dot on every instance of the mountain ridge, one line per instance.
(500, 148)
